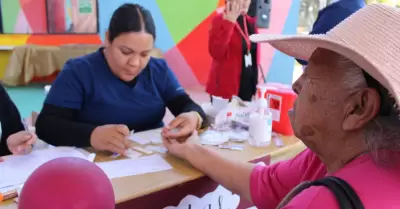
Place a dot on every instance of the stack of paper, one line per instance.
(16, 169)
(130, 167)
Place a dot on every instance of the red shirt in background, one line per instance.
(226, 48)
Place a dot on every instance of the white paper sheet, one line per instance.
(16, 169)
(9, 188)
(131, 167)
(133, 154)
(159, 149)
(147, 137)
(156, 140)
(138, 139)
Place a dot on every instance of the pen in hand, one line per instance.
(116, 155)
(26, 129)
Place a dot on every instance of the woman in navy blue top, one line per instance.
(98, 98)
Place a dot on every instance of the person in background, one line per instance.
(97, 99)
(346, 113)
(234, 70)
(252, 11)
(333, 14)
(14, 138)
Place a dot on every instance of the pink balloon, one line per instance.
(67, 183)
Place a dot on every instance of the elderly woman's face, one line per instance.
(326, 107)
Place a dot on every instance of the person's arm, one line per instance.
(265, 186)
(10, 120)
(327, 19)
(56, 126)
(183, 103)
(57, 122)
(219, 37)
(175, 97)
(234, 176)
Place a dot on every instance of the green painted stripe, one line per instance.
(182, 16)
(10, 11)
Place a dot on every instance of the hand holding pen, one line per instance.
(113, 138)
(21, 142)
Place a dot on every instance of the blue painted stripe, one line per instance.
(282, 66)
(164, 39)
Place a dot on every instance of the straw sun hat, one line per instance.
(370, 38)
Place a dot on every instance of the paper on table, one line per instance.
(158, 149)
(138, 139)
(146, 137)
(133, 154)
(17, 168)
(131, 167)
(156, 140)
(9, 188)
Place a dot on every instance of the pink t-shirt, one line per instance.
(378, 187)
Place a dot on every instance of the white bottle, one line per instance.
(262, 106)
(261, 125)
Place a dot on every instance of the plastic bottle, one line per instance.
(262, 106)
(260, 125)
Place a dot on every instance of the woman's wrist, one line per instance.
(199, 120)
(192, 151)
(199, 156)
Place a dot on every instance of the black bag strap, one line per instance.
(345, 195)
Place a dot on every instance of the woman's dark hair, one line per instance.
(130, 18)
(252, 12)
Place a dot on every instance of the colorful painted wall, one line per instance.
(182, 27)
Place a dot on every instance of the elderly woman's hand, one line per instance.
(182, 126)
(21, 142)
(181, 149)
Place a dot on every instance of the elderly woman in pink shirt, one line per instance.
(346, 113)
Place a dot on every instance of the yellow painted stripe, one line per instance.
(13, 39)
(4, 59)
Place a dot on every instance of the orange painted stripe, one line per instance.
(221, 3)
(56, 40)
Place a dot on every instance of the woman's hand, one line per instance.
(232, 10)
(182, 126)
(113, 138)
(21, 142)
(178, 149)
